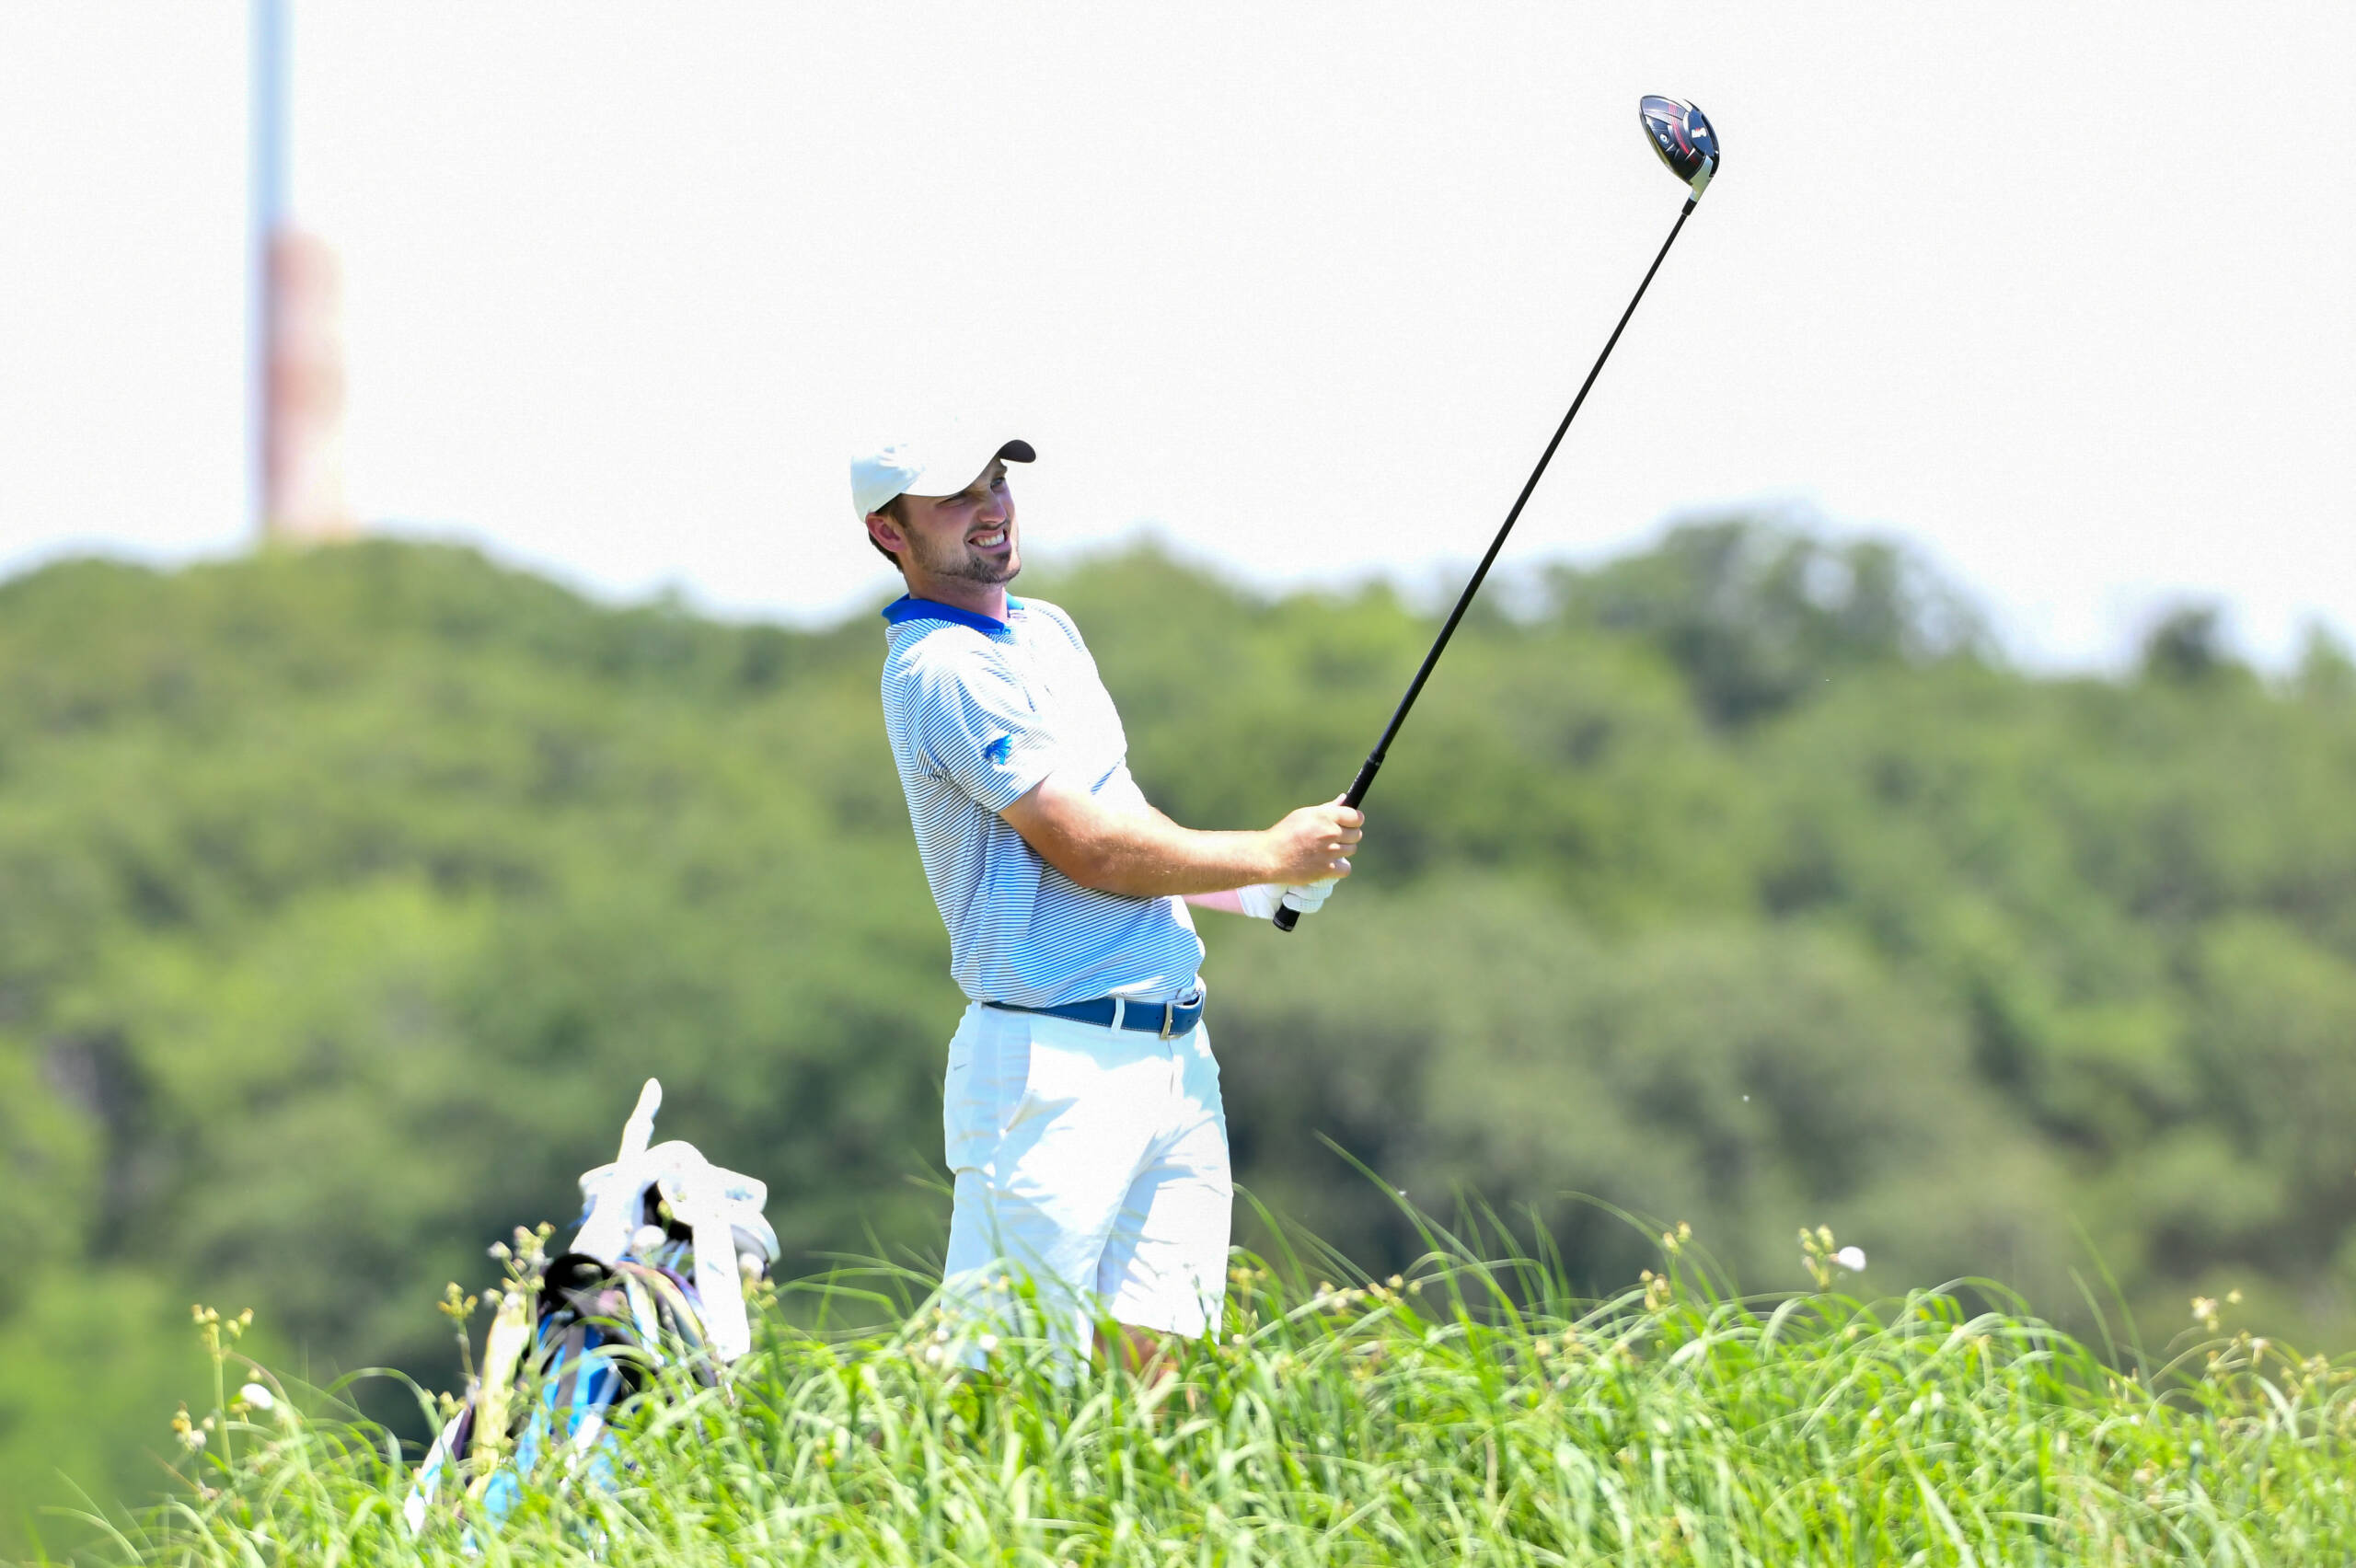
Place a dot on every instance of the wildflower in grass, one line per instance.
(256, 1397)
(1823, 1259)
(2204, 1312)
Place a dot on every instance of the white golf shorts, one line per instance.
(1094, 1161)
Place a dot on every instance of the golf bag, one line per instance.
(656, 1277)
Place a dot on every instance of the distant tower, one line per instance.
(295, 377)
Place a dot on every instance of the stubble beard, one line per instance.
(964, 563)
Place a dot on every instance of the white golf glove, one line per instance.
(1262, 900)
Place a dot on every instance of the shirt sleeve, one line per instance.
(976, 728)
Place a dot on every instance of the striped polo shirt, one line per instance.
(979, 711)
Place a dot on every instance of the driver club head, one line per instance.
(1680, 133)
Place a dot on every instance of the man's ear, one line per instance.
(885, 530)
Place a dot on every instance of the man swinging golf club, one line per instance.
(1081, 1109)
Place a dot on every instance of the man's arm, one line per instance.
(1226, 900)
(1231, 900)
(1145, 855)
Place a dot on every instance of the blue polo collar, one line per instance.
(907, 608)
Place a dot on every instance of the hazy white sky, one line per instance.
(2061, 292)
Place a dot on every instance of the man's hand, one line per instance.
(1262, 900)
(1312, 844)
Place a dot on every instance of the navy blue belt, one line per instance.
(1169, 1019)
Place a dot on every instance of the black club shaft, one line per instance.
(1287, 918)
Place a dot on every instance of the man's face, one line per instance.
(970, 535)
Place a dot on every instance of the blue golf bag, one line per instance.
(656, 1277)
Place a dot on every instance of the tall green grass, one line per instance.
(1475, 1412)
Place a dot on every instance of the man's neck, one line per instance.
(982, 598)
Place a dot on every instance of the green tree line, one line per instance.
(346, 896)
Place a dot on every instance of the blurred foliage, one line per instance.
(346, 896)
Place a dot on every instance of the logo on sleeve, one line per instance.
(998, 750)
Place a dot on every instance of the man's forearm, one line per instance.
(1139, 853)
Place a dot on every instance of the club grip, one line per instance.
(1287, 917)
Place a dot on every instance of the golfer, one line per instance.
(1081, 1109)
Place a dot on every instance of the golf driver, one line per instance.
(1680, 133)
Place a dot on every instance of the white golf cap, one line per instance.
(939, 459)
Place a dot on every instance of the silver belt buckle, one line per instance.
(1169, 1018)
